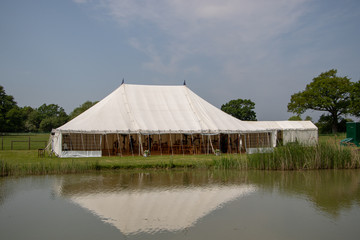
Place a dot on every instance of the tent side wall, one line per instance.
(75, 145)
(307, 137)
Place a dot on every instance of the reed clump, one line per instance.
(230, 162)
(43, 168)
(296, 156)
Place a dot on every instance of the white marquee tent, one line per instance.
(167, 119)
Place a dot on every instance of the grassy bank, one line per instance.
(328, 154)
(27, 162)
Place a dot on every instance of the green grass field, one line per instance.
(21, 141)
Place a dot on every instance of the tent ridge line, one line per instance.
(128, 109)
(192, 108)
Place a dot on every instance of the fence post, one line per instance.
(2, 143)
(29, 142)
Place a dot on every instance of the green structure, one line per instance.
(352, 134)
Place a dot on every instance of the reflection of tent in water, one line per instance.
(168, 120)
(148, 211)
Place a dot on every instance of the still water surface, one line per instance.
(189, 204)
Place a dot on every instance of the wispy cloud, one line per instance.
(213, 28)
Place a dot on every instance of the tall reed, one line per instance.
(300, 157)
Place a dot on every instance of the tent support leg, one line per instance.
(141, 149)
(160, 144)
(192, 143)
(219, 136)
(131, 145)
(201, 147)
(119, 144)
(212, 147)
(107, 143)
(182, 144)
(172, 152)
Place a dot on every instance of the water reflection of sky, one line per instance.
(182, 204)
(159, 210)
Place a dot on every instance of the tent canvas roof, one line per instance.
(164, 109)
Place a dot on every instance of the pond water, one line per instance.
(190, 204)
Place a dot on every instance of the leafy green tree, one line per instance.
(46, 117)
(7, 103)
(82, 108)
(295, 118)
(26, 112)
(325, 127)
(52, 116)
(355, 100)
(327, 92)
(15, 120)
(308, 118)
(242, 109)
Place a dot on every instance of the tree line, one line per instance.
(27, 119)
(337, 96)
(334, 95)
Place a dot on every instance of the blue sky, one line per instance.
(70, 51)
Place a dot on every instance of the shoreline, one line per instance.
(289, 157)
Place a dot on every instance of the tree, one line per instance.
(295, 118)
(47, 117)
(241, 109)
(355, 100)
(325, 127)
(15, 120)
(82, 108)
(308, 118)
(7, 103)
(327, 92)
(52, 116)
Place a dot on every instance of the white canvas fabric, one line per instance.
(144, 109)
(153, 109)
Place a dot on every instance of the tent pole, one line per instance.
(131, 145)
(100, 145)
(207, 145)
(119, 144)
(240, 143)
(219, 136)
(82, 141)
(94, 143)
(160, 144)
(182, 144)
(172, 152)
(212, 147)
(201, 147)
(229, 145)
(107, 143)
(192, 143)
(141, 149)
(249, 140)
